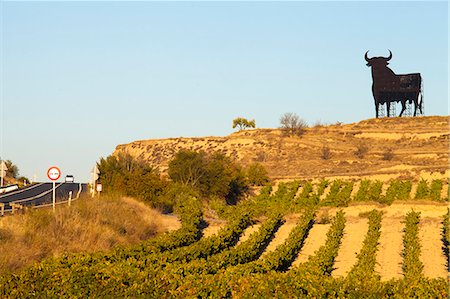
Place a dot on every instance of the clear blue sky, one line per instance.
(79, 78)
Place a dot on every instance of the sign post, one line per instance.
(54, 174)
(94, 174)
(3, 170)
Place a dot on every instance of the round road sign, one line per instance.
(53, 173)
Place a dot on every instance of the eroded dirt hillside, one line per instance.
(396, 147)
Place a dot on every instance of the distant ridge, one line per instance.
(419, 145)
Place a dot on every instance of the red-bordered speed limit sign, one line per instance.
(53, 173)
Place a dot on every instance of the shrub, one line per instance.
(210, 175)
(388, 154)
(326, 153)
(292, 124)
(257, 175)
(361, 150)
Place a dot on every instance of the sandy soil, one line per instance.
(250, 230)
(390, 246)
(354, 233)
(389, 259)
(355, 189)
(213, 227)
(282, 233)
(325, 192)
(316, 238)
(432, 256)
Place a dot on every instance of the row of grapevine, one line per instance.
(340, 192)
(230, 282)
(446, 237)
(243, 253)
(281, 258)
(412, 267)
(366, 261)
(322, 262)
(101, 275)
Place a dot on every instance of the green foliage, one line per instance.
(281, 258)
(181, 265)
(321, 264)
(126, 175)
(422, 190)
(188, 167)
(243, 123)
(339, 194)
(398, 190)
(210, 175)
(245, 252)
(412, 267)
(435, 190)
(257, 175)
(366, 261)
(321, 187)
(307, 197)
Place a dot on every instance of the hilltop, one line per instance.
(396, 147)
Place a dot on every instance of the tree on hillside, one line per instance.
(13, 170)
(127, 175)
(211, 175)
(188, 167)
(257, 175)
(243, 123)
(292, 124)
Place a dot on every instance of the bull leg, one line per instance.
(376, 109)
(388, 108)
(403, 108)
(421, 103)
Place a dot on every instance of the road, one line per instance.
(41, 193)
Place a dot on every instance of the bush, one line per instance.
(326, 153)
(257, 175)
(124, 174)
(361, 150)
(210, 175)
(292, 124)
(388, 154)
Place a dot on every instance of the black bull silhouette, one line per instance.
(388, 87)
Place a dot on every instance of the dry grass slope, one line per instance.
(88, 225)
(419, 144)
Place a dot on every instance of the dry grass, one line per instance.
(420, 143)
(88, 225)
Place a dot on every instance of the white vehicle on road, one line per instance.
(69, 179)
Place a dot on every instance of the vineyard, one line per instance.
(342, 239)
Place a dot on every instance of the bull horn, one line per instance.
(390, 56)
(365, 57)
